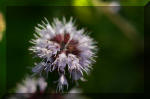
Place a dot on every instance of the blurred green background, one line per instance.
(119, 67)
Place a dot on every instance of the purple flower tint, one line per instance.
(61, 46)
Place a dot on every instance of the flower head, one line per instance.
(30, 85)
(62, 47)
(30, 88)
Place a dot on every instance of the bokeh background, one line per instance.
(118, 29)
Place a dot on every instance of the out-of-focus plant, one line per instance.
(124, 25)
(2, 26)
(111, 11)
(84, 11)
(75, 93)
(30, 88)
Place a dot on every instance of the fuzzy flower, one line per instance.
(114, 6)
(30, 88)
(30, 85)
(63, 48)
